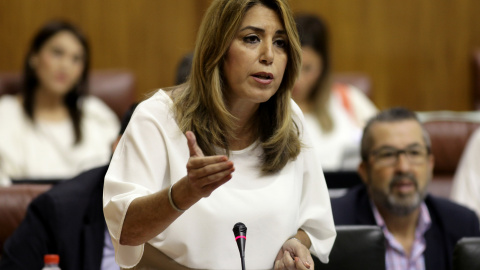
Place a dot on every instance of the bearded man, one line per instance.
(397, 164)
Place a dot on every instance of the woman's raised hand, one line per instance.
(206, 173)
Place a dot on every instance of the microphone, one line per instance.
(240, 232)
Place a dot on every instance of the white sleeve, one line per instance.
(4, 180)
(140, 166)
(9, 163)
(316, 217)
(466, 182)
(12, 135)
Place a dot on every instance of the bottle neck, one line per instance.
(51, 266)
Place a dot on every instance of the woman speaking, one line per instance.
(226, 146)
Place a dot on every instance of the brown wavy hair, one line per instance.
(201, 106)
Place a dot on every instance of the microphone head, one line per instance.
(239, 229)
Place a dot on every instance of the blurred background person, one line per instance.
(466, 182)
(183, 68)
(4, 180)
(421, 230)
(335, 113)
(66, 220)
(54, 129)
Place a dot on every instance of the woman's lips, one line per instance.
(262, 81)
(62, 78)
(263, 77)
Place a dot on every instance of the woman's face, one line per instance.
(256, 60)
(59, 63)
(312, 68)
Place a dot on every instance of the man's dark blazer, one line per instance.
(450, 222)
(67, 220)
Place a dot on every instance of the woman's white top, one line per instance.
(44, 149)
(152, 155)
(4, 180)
(466, 182)
(339, 149)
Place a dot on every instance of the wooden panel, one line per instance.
(417, 52)
(148, 37)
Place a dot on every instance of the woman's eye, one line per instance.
(280, 43)
(251, 39)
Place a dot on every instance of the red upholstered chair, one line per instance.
(115, 87)
(9, 83)
(14, 201)
(449, 138)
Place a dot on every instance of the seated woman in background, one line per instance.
(335, 114)
(53, 129)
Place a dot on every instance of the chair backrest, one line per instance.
(356, 248)
(449, 138)
(448, 142)
(114, 87)
(14, 201)
(466, 255)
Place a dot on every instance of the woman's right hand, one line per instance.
(205, 173)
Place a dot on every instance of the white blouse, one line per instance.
(44, 149)
(153, 154)
(339, 149)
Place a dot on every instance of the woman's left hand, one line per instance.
(293, 255)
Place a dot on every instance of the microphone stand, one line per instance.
(242, 259)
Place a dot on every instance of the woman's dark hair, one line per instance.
(183, 68)
(30, 79)
(313, 33)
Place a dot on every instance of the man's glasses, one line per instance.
(388, 156)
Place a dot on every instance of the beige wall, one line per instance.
(417, 52)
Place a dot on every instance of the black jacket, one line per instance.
(450, 222)
(67, 220)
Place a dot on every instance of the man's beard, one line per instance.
(399, 204)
